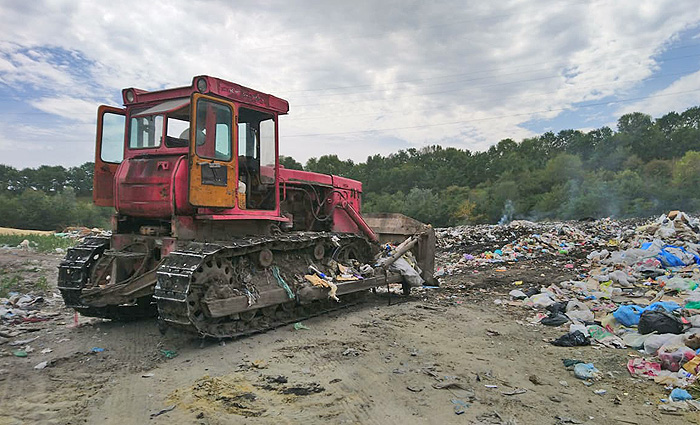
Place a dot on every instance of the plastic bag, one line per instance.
(410, 276)
(517, 294)
(660, 322)
(586, 371)
(539, 300)
(634, 339)
(680, 284)
(628, 315)
(572, 339)
(576, 310)
(674, 357)
(654, 342)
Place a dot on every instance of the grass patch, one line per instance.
(9, 283)
(42, 243)
(42, 284)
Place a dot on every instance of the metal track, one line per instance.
(178, 296)
(74, 274)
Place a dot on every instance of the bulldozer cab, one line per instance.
(228, 133)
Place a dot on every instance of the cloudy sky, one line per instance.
(362, 77)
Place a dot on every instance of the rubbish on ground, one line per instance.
(97, 349)
(299, 326)
(556, 319)
(600, 392)
(515, 392)
(19, 353)
(660, 322)
(643, 367)
(160, 412)
(605, 337)
(586, 371)
(460, 406)
(572, 339)
(679, 394)
(41, 365)
(169, 354)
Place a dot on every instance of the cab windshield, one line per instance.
(170, 118)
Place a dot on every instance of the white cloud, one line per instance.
(400, 68)
(68, 107)
(680, 95)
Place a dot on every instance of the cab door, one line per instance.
(212, 166)
(109, 153)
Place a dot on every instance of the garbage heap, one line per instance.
(462, 248)
(640, 290)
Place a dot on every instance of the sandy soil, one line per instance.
(10, 231)
(373, 363)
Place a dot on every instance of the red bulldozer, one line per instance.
(212, 234)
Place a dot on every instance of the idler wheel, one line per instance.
(265, 258)
(319, 251)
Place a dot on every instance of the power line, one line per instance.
(492, 118)
(480, 72)
(394, 112)
(455, 89)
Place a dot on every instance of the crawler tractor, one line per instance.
(210, 232)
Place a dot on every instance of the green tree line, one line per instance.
(647, 166)
(644, 167)
(49, 198)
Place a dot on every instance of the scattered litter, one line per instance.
(299, 326)
(41, 365)
(19, 353)
(160, 412)
(460, 406)
(572, 339)
(169, 354)
(586, 371)
(679, 394)
(515, 392)
(97, 349)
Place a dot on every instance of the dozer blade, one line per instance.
(395, 227)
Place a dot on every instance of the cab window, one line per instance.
(213, 132)
(146, 131)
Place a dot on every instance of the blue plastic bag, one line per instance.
(585, 371)
(680, 395)
(668, 259)
(628, 315)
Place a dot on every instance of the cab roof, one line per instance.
(209, 85)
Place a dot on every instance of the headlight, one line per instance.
(129, 96)
(202, 85)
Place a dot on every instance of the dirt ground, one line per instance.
(461, 348)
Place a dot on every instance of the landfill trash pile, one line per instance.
(82, 232)
(637, 287)
(464, 247)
